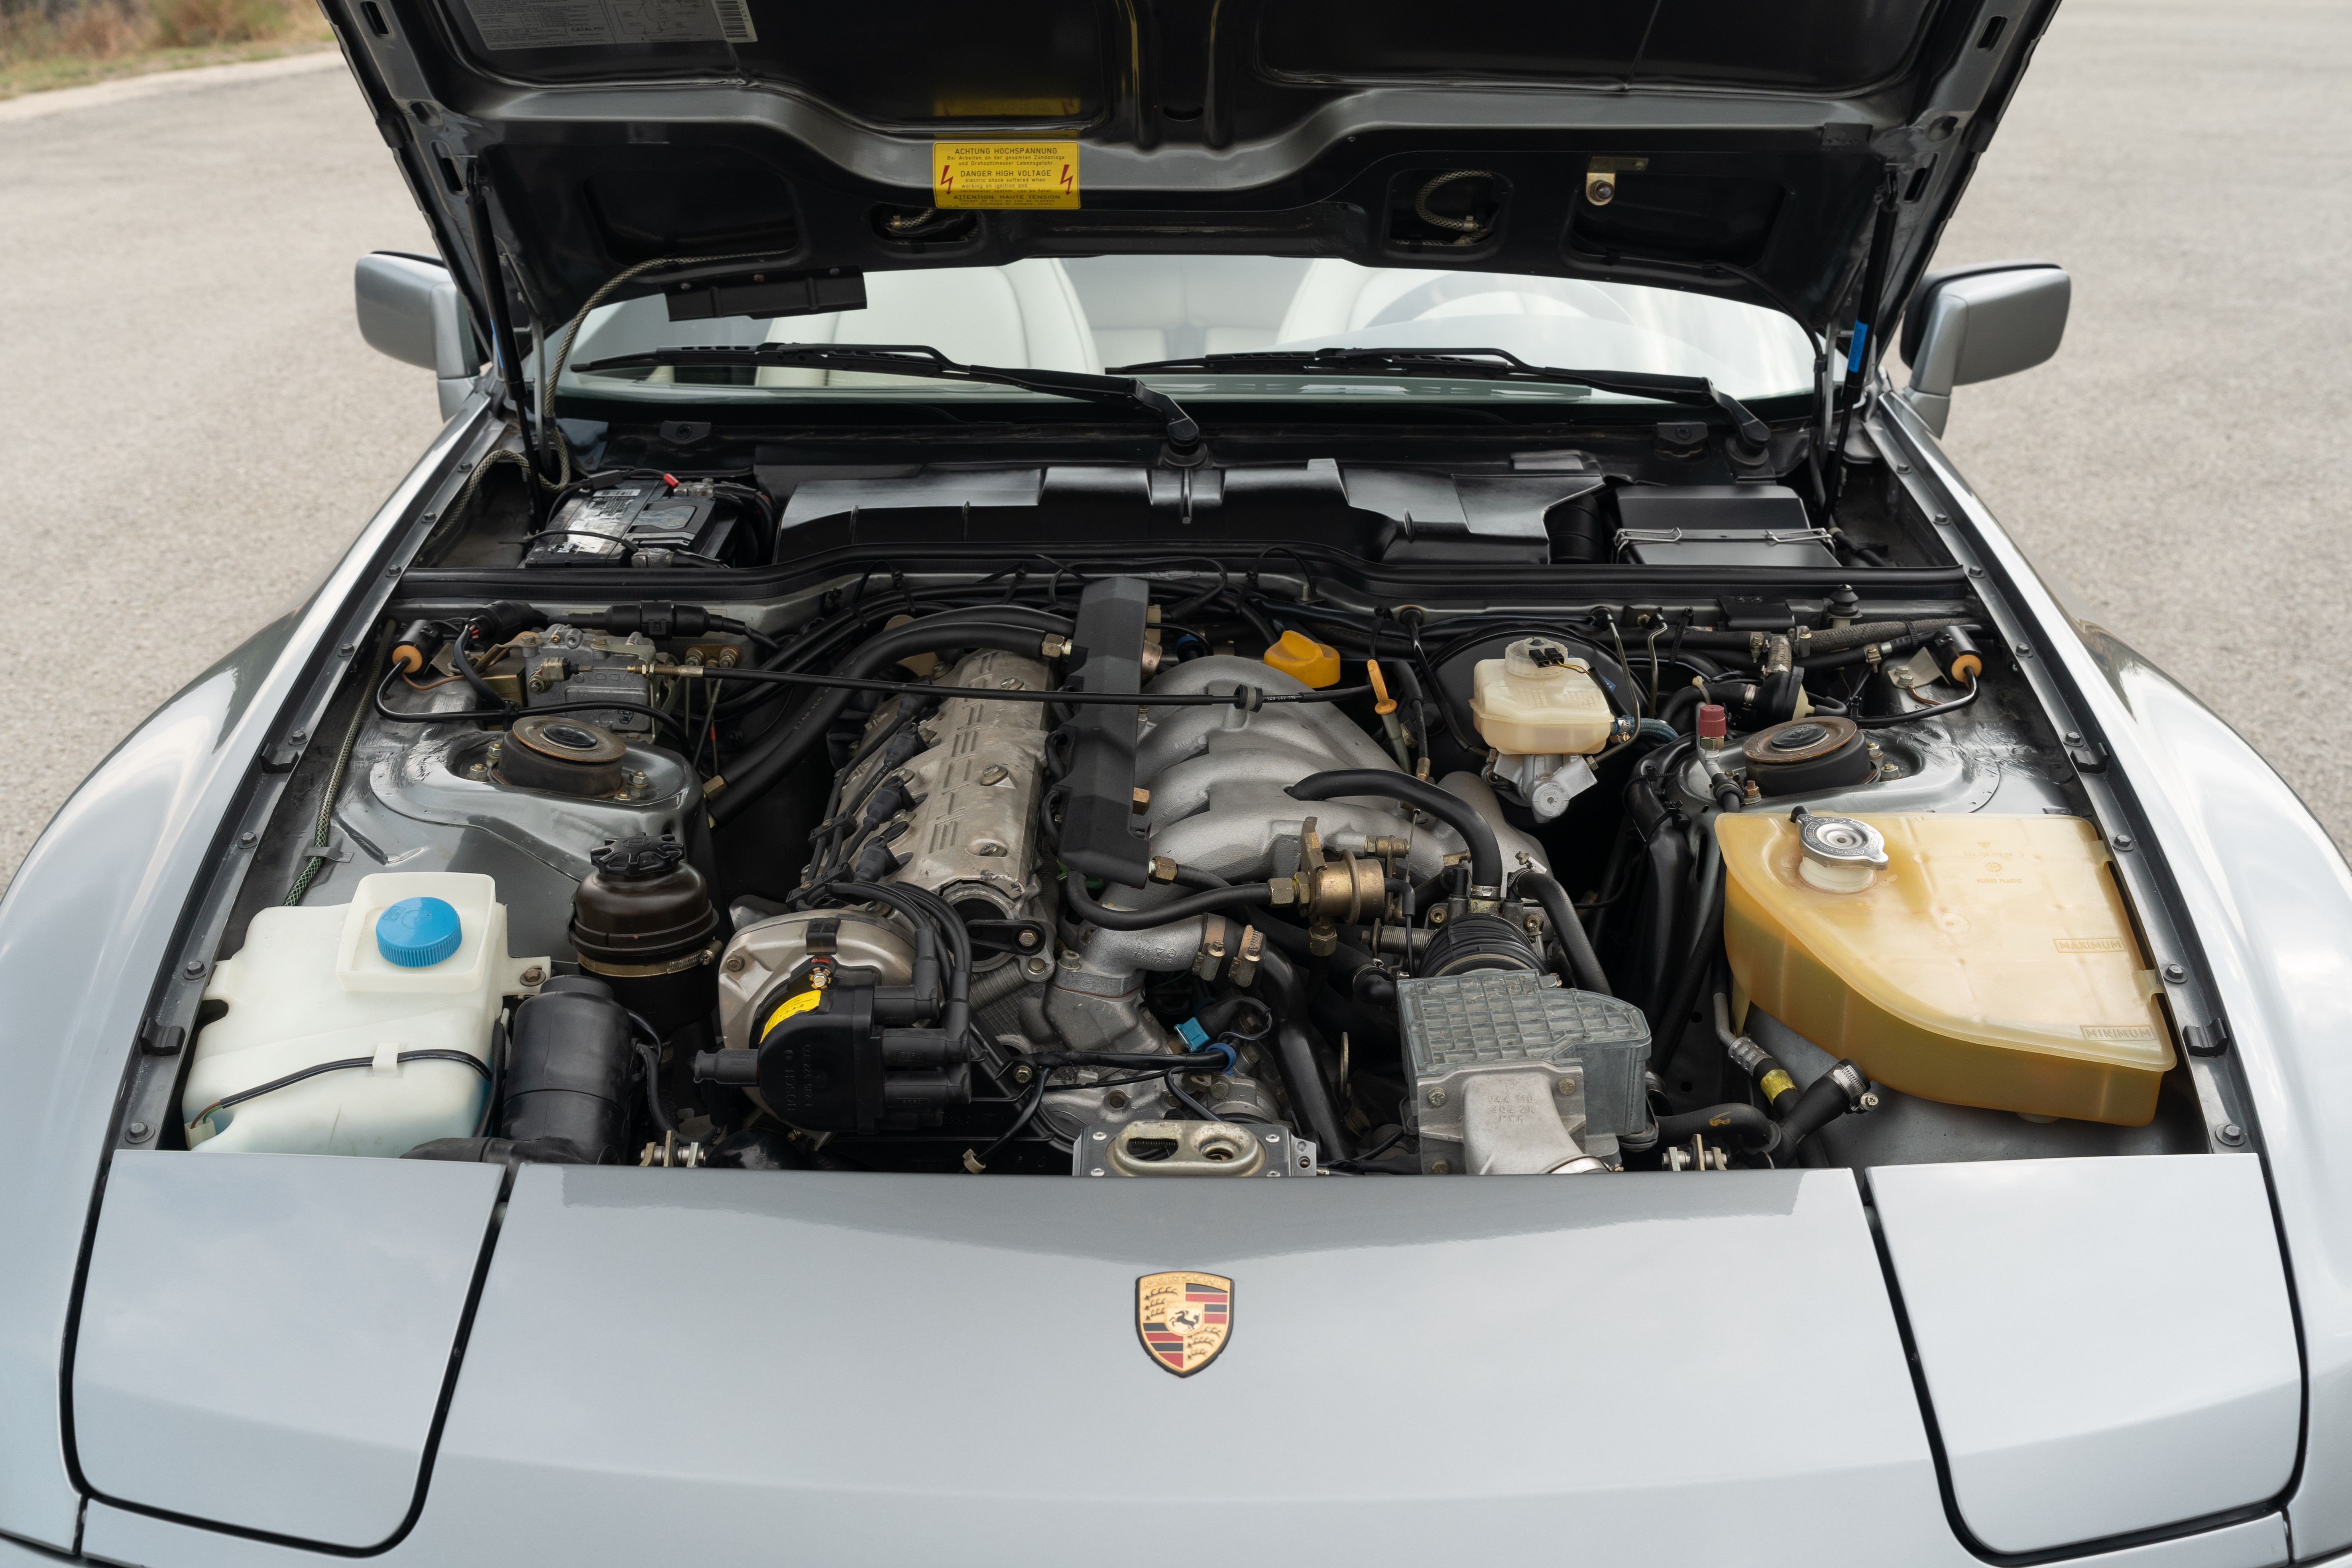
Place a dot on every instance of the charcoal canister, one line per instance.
(643, 923)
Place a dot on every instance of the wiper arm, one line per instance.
(915, 359)
(1483, 364)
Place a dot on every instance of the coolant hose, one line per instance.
(753, 774)
(1674, 1013)
(1582, 962)
(1754, 1128)
(1293, 1053)
(1485, 854)
(1208, 901)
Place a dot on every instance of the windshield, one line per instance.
(1101, 313)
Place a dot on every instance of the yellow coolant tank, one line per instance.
(1987, 961)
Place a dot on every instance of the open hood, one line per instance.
(1734, 150)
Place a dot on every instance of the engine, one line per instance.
(1005, 884)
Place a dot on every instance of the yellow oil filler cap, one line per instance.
(1316, 664)
(1970, 959)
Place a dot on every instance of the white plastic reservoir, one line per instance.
(414, 963)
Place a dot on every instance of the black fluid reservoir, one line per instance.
(642, 923)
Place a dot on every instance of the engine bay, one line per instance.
(1221, 865)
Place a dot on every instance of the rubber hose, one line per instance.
(1677, 706)
(752, 776)
(1583, 964)
(1674, 1014)
(1485, 854)
(1207, 901)
(1755, 1129)
(1293, 1053)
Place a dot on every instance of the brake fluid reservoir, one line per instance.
(1970, 959)
(324, 1003)
(1537, 701)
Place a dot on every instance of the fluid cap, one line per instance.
(1711, 721)
(415, 933)
(1313, 663)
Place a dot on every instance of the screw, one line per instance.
(392, 571)
(2123, 840)
(248, 837)
(1976, 570)
(192, 968)
(533, 975)
(993, 774)
(297, 735)
(2025, 651)
(2073, 737)
(1441, 1168)
(1023, 1072)
(1567, 1088)
(2174, 973)
(346, 650)
(1101, 1137)
(734, 964)
(1115, 1100)
(2232, 1132)
(137, 1132)
(1437, 917)
(1869, 1101)
(1436, 1097)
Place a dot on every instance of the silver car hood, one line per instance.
(899, 1368)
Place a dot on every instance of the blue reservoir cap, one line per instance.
(418, 932)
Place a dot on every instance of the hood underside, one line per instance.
(1695, 144)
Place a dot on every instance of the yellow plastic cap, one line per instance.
(1313, 663)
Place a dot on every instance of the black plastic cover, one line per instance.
(1095, 798)
(568, 1076)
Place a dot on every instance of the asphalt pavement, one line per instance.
(190, 429)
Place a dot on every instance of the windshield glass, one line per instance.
(1099, 312)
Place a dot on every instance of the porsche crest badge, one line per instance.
(1183, 1319)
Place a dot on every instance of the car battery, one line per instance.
(1718, 525)
(637, 522)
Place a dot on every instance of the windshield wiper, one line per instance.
(1483, 364)
(915, 359)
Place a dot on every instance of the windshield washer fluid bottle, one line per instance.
(417, 962)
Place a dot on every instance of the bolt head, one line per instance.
(2123, 840)
(734, 964)
(534, 976)
(192, 968)
(248, 837)
(1567, 1088)
(137, 1132)
(1436, 1097)
(1441, 1168)
(1023, 1072)
(2073, 737)
(346, 650)
(1101, 1138)
(2175, 973)
(1869, 1101)
(2232, 1132)
(1115, 1100)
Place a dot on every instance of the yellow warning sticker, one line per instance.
(1030, 175)
(791, 1004)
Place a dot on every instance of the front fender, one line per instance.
(2267, 898)
(91, 919)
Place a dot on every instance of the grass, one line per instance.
(65, 43)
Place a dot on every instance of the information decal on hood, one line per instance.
(554, 23)
(1026, 175)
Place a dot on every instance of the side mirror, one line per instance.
(1978, 323)
(410, 309)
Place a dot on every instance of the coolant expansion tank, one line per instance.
(1988, 961)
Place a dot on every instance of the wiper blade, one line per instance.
(1482, 365)
(919, 360)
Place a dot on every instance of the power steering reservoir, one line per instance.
(1971, 959)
